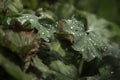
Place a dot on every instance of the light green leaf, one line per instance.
(42, 67)
(56, 46)
(39, 64)
(68, 70)
(14, 5)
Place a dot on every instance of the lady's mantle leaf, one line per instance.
(17, 42)
(44, 31)
(86, 42)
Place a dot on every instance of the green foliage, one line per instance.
(45, 30)
(13, 70)
(86, 42)
(43, 40)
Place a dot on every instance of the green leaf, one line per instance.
(44, 32)
(69, 71)
(74, 27)
(86, 42)
(14, 70)
(98, 25)
(14, 5)
(58, 73)
(16, 42)
(60, 10)
(42, 67)
(56, 46)
(45, 14)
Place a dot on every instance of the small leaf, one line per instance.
(14, 5)
(42, 67)
(67, 70)
(56, 46)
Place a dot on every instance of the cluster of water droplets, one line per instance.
(28, 17)
(82, 50)
(43, 32)
(93, 45)
(86, 42)
(74, 27)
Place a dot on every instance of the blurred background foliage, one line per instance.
(58, 9)
(28, 26)
(108, 9)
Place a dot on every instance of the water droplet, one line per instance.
(31, 20)
(43, 33)
(23, 21)
(50, 26)
(73, 33)
(93, 56)
(66, 49)
(76, 21)
(89, 30)
(95, 44)
(86, 34)
(80, 34)
(82, 50)
(26, 16)
(71, 27)
(69, 20)
(105, 48)
(90, 39)
(111, 72)
(94, 35)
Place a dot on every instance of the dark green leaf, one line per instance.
(14, 70)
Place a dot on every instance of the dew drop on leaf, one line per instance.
(82, 50)
(31, 20)
(23, 21)
(90, 39)
(69, 20)
(71, 27)
(26, 16)
(112, 72)
(43, 33)
(95, 44)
